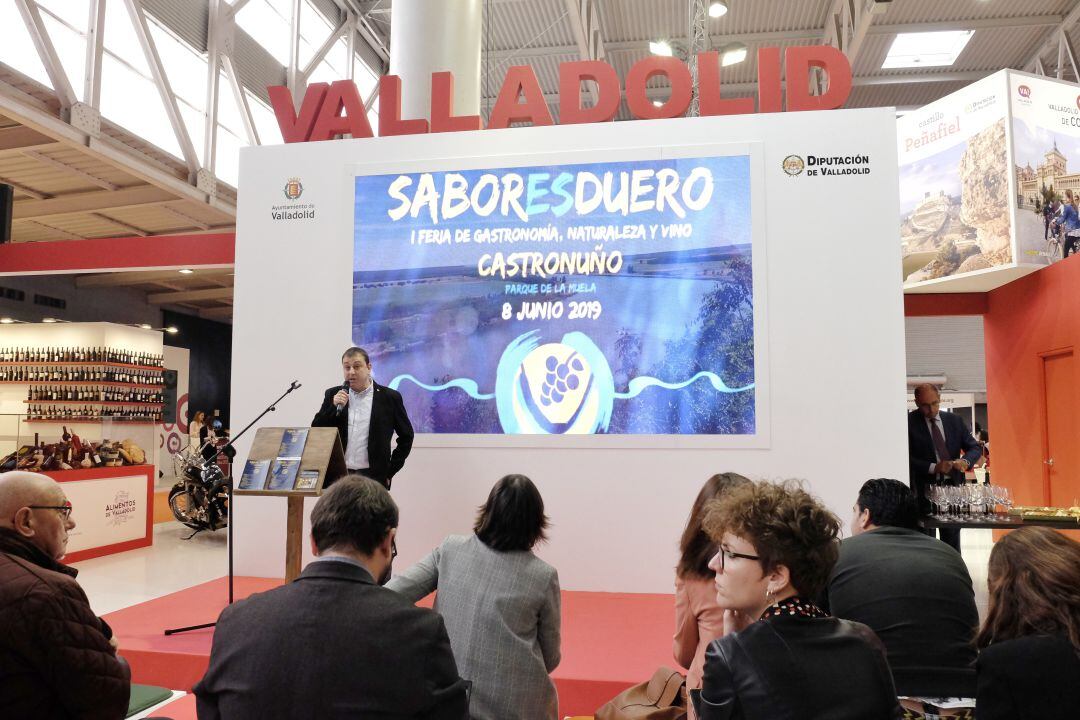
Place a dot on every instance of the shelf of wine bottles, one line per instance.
(88, 383)
(92, 393)
(49, 355)
(95, 412)
(123, 374)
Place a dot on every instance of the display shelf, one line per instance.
(82, 383)
(157, 368)
(94, 420)
(93, 402)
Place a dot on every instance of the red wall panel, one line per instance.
(1027, 319)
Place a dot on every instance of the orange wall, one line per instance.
(1029, 316)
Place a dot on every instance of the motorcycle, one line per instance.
(200, 498)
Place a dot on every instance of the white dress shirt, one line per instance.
(356, 453)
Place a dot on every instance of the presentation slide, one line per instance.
(586, 298)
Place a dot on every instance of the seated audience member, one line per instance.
(333, 644)
(912, 590)
(1029, 660)
(57, 659)
(501, 604)
(698, 619)
(781, 656)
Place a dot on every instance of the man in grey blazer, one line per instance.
(333, 644)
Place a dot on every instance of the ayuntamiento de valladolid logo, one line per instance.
(292, 190)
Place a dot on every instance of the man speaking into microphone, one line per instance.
(367, 415)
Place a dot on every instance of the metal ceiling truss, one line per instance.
(47, 53)
(585, 21)
(1057, 38)
(161, 81)
(846, 27)
(79, 124)
(780, 36)
(697, 41)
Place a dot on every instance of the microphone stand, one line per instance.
(229, 452)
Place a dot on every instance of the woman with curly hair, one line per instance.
(781, 656)
(698, 619)
(1029, 664)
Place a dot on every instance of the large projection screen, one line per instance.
(581, 295)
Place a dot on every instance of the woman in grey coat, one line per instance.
(501, 604)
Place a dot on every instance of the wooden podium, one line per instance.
(322, 459)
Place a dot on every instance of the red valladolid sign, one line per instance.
(335, 109)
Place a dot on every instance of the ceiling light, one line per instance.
(49, 320)
(144, 326)
(717, 9)
(661, 47)
(172, 329)
(186, 271)
(733, 54)
(6, 321)
(929, 49)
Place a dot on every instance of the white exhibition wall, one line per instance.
(833, 327)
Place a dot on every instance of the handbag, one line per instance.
(662, 698)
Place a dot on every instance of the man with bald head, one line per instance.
(940, 450)
(57, 659)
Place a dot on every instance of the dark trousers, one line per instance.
(949, 536)
(1070, 245)
(366, 472)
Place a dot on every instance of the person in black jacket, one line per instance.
(940, 451)
(367, 415)
(333, 645)
(781, 656)
(1029, 664)
(913, 591)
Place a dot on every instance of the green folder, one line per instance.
(145, 696)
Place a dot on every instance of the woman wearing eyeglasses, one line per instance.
(501, 605)
(781, 656)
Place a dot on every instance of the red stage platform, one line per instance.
(609, 641)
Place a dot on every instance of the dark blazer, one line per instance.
(1029, 678)
(921, 455)
(797, 668)
(387, 417)
(332, 645)
(915, 593)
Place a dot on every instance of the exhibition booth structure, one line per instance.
(977, 170)
(984, 173)
(79, 402)
(618, 310)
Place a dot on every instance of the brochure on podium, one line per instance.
(254, 477)
(307, 480)
(292, 443)
(283, 474)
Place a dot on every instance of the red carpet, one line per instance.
(609, 641)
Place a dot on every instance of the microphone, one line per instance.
(341, 408)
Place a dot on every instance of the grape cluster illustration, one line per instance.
(560, 378)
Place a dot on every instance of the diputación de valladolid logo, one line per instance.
(826, 165)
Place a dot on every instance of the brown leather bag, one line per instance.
(662, 698)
